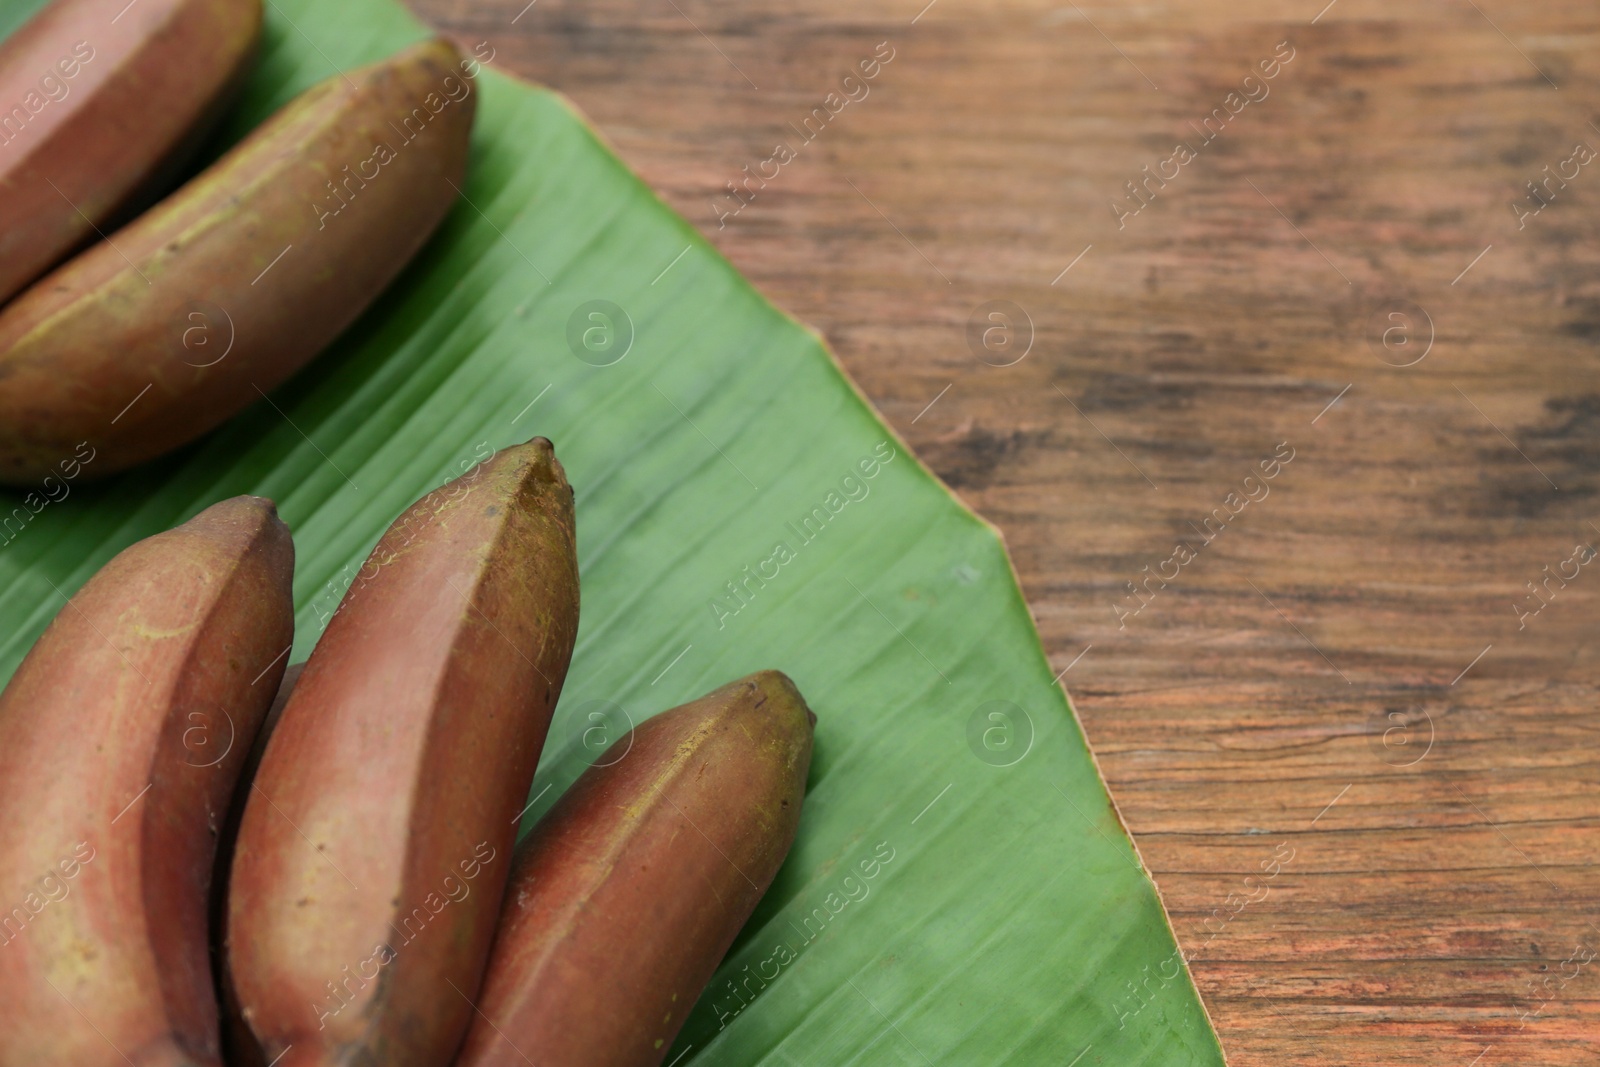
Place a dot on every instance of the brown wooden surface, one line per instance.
(1426, 914)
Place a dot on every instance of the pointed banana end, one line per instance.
(440, 49)
(542, 454)
(780, 687)
(247, 514)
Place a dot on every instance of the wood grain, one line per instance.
(1341, 672)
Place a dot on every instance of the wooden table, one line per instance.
(1341, 669)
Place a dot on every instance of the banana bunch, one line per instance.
(212, 857)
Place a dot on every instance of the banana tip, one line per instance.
(544, 452)
(244, 505)
(776, 682)
(267, 507)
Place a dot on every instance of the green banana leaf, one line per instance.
(962, 890)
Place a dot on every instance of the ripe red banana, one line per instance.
(628, 893)
(226, 288)
(239, 1048)
(101, 101)
(122, 735)
(376, 843)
